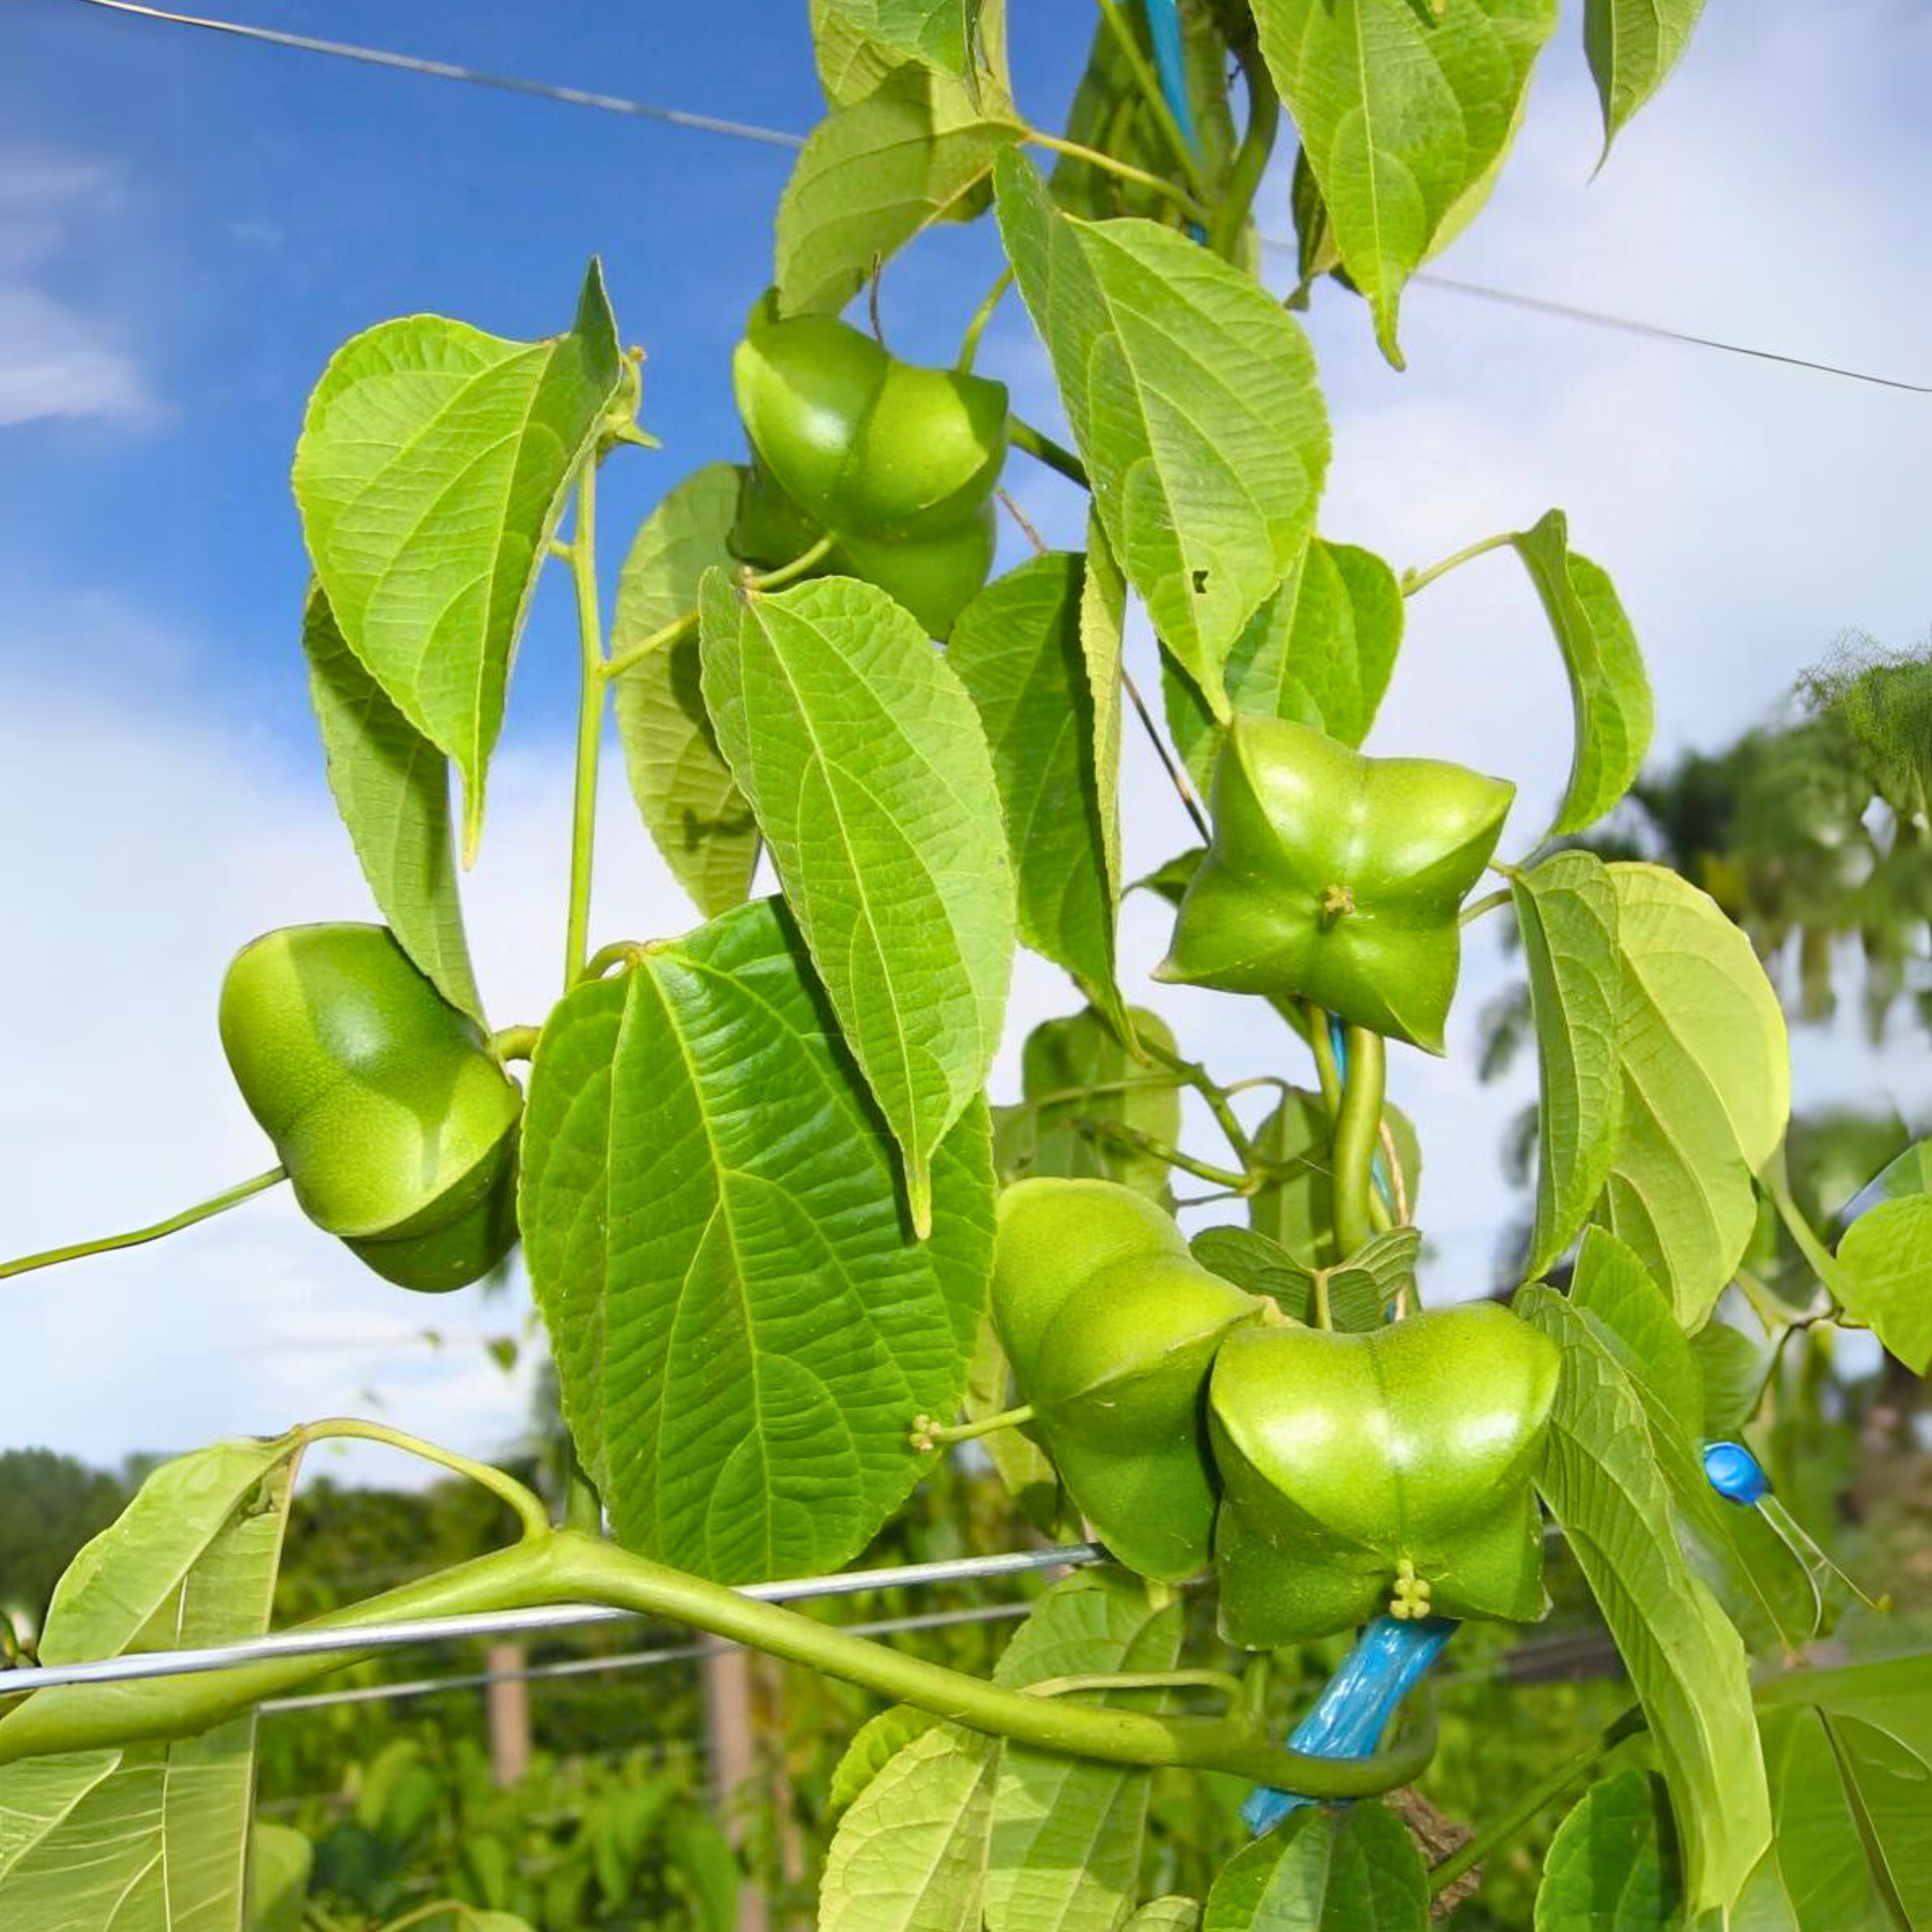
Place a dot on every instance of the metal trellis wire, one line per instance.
(139, 1665)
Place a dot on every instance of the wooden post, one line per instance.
(732, 1750)
(507, 1698)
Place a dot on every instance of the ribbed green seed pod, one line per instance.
(397, 1126)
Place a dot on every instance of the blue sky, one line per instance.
(189, 224)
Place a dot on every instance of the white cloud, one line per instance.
(56, 360)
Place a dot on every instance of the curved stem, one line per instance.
(1357, 1133)
(563, 1567)
(1042, 448)
(661, 639)
(1492, 1836)
(1819, 1257)
(590, 723)
(1126, 170)
(528, 1505)
(515, 1043)
(969, 342)
(1151, 91)
(1176, 777)
(1204, 1083)
(102, 1244)
(1326, 1073)
(1489, 902)
(785, 573)
(931, 1435)
(1142, 1143)
(1413, 580)
(619, 953)
(1251, 158)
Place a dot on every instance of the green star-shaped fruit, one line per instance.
(1110, 1326)
(1337, 877)
(1386, 1472)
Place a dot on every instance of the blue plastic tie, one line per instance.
(1170, 62)
(1348, 1718)
(1735, 1473)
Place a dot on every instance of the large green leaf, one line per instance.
(149, 1835)
(1017, 649)
(1067, 1834)
(431, 470)
(392, 786)
(690, 803)
(1405, 111)
(1566, 910)
(871, 176)
(1851, 1763)
(1608, 691)
(866, 763)
(852, 59)
(1884, 1276)
(1602, 1482)
(1765, 1588)
(937, 33)
(1319, 651)
(1706, 1086)
(1849, 1752)
(1171, 1914)
(910, 1855)
(1612, 1866)
(744, 1327)
(956, 1824)
(1192, 395)
(1632, 44)
(1323, 1870)
(1076, 1078)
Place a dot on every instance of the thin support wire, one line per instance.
(779, 137)
(138, 1666)
(629, 1660)
(569, 96)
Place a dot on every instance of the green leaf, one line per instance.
(392, 786)
(1566, 910)
(148, 1834)
(865, 762)
(937, 33)
(432, 469)
(1324, 1870)
(852, 61)
(280, 1859)
(690, 803)
(1734, 1369)
(1192, 395)
(1706, 1086)
(1602, 1483)
(872, 176)
(1171, 1914)
(1017, 648)
(1850, 1754)
(1404, 112)
(1079, 1058)
(1613, 1866)
(1358, 1295)
(1632, 44)
(1765, 1589)
(1319, 652)
(1609, 691)
(1884, 1276)
(910, 1855)
(875, 1745)
(743, 1327)
(1103, 625)
(1067, 1832)
(1299, 1211)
